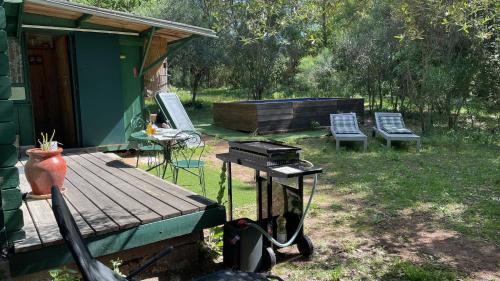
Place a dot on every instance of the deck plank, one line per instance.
(118, 214)
(111, 176)
(104, 195)
(176, 202)
(83, 226)
(44, 221)
(143, 213)
(24, 186)
(49, 237)
(95, 217)
(179, 192)
(32, 240)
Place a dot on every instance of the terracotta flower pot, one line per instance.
(44, 169)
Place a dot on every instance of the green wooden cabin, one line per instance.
(81, 70)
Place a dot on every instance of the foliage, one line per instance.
(118, 5)
(115, 266)
(411, 272)
(439, 59)
(222, 186)
(197, 60)
(64, 274)
(46, 142)
(316, 74)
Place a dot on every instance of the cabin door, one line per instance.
(100, 95)
(50, 85)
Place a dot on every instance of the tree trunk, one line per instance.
(380, 95)
(194, 86)
(370, 98)
(422, 118)
(258, 92)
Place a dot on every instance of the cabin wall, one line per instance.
(108, 87)
(132, 84)
(23, 112)
(127, 96)
(11, 217)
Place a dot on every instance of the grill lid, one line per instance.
(263, 147)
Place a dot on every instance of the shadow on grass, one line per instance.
(437, 203)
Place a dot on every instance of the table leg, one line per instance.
(270, 205)
(229, 191)
(167, 159)
(301, 196)
(155, 166)
(259, 195)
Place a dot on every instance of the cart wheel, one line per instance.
(269, 259)
(305, 246)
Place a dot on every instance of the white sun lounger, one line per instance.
(391, 127)
(344, 127)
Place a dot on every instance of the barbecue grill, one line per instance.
(244, 247)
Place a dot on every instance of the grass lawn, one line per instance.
(385, 214)
(243, 194)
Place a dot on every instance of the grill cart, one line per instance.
(279, 172)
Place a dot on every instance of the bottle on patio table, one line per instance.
(150, 130)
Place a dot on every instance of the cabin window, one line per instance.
(16, 70)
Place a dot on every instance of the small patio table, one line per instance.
(166, 138)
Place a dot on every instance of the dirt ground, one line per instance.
(413, 238)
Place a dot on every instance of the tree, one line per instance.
(118, 5)
(201, 55)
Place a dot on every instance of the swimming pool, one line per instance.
(270, 116)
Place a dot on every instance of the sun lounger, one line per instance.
(172, 108)
(344, 127)
(391, 127)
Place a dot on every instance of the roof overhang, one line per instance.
(106, 20)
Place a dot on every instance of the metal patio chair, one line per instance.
(391, 127)
(344, 127)
(93, 270)
(152, 150)
(187, 156)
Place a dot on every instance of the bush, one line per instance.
(316, 73)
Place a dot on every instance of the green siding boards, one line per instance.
(5, 87)
(3, 41)
(12, 10)
(11, 199)
(7, 133)
(6, 111)
(9, 177)
(99, 89)
(13, 220)
(8, 156)
(3, 20)
(131, 85)
(4, 64)
(24, 123)
(16, 235)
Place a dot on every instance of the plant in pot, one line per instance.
(45, 167)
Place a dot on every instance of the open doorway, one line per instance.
(51, 87)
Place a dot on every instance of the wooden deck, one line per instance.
(108, 197)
